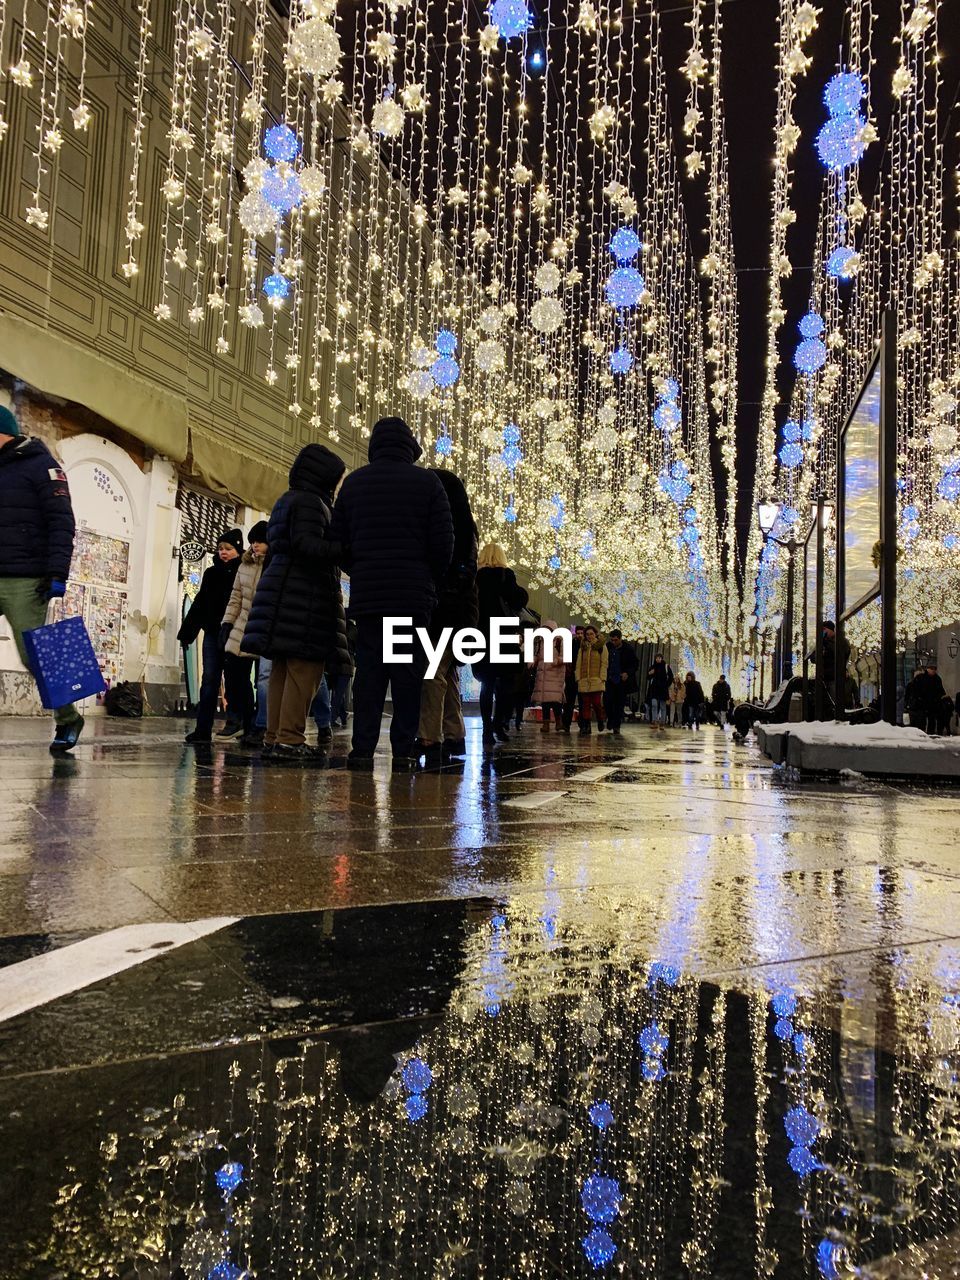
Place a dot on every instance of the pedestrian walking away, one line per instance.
(297, 618)
(442, 730)
(693, 701)
(36, 546)
(659, 680)
(393, 519)
(720, 698)
(499, 596)
(237, 665)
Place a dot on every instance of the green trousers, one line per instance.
(25, 610)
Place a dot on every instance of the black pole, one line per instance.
(888, 518)
(819, 682)
(786, 652)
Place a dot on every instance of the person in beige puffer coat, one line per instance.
(550, 678)
(675, 700)
(237, 665)
(591, 675)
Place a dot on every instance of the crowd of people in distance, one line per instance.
(407, 538)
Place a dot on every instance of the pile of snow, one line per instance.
(830, 733)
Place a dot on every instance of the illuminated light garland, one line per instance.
(511, 18)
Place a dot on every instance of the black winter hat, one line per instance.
(234, 538)
(258, 532)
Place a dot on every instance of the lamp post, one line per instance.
(823, 518)
(768, 514)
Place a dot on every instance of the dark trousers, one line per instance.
(925, 718)
(692, 713)
(569, 700)
(211, 656)
(615, 699)
(496, 695)
(339, 697)
(241, 703)
(373, 677)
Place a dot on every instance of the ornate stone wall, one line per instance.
(73, 325)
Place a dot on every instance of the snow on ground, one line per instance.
(833, 734)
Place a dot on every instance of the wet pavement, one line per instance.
(637, 1006)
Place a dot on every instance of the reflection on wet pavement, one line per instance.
(685, 1017)
(482, 1089)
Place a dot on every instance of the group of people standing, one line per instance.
(408, 540)
(673, 701)
(390, 525)
(595, 684)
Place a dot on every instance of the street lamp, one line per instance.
(768, 514)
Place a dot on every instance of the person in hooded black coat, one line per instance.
(393, 519)
(297, 618)
(442, 731)
(205, 616)
(500, 596)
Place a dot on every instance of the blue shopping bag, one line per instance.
(63, 662)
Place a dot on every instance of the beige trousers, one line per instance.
(293, 686)
(441, 713)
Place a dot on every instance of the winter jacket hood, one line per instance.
(297, 610)
(36, 517)
(391, 439)
(316, 469)
(394, 523)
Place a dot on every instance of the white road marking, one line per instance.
(595, 774)
(29, 983)
(535, 799)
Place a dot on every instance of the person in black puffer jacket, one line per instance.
(500, 596)
(297, 618)
(394, 522)
(205, 616)
(442, 731)
(36, 546)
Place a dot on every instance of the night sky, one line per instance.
(749, 95)
(749, 103)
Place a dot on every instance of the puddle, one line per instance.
(477, 1090)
